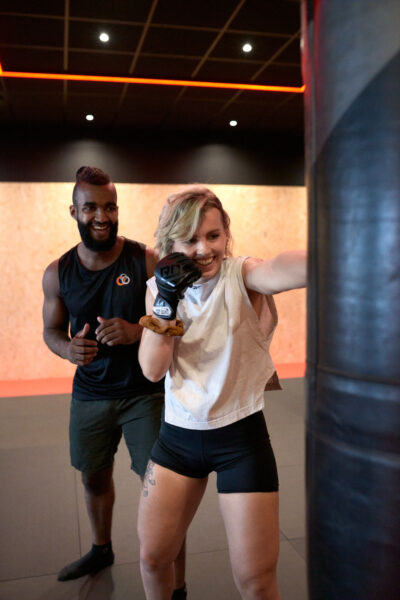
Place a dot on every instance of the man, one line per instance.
(97, 290)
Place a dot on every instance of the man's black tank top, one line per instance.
(116, 291)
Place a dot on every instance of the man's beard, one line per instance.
(97, 245)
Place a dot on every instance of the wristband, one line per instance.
(150, 322)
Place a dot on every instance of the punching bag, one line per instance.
(351, 69)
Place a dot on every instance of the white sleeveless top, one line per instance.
(221, 364)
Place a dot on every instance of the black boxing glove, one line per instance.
(174, 274)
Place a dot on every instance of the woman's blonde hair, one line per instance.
(182, 214)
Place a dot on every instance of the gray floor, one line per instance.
(43, 522)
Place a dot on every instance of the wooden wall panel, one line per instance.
(36, 228)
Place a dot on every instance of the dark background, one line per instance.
(150, 133)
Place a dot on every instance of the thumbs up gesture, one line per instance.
(82, 351)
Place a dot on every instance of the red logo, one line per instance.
(123, 279)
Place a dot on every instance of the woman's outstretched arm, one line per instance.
(286, 271)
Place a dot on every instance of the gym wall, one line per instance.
(36, 228)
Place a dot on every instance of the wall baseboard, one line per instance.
(63, 385)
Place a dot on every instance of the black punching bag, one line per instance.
(351, 68)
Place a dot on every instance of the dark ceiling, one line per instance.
(170, 39)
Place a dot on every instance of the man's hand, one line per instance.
(82, 351)
(117, 331)
(174, 274)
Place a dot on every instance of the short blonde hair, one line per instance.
(182, 214)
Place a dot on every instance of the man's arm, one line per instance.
(287, 271)
(79, 350)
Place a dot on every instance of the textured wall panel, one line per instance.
(36, 228)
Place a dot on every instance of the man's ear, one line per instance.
(72, 211)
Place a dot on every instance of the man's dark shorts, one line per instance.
(96, 428)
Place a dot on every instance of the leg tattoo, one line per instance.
(148, 478)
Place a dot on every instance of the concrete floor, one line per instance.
(43, 521)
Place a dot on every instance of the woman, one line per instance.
(216, 374)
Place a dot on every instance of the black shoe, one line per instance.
(94, 561)
(180, 593)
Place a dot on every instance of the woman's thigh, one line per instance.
(252, 528)
(167, 506)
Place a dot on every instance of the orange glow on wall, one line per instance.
(146, 81)
(265, 220)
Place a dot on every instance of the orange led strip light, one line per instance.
(146, 81)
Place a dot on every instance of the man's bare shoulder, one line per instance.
(151, 261)
(50, 281)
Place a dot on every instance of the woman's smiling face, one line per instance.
(207, 247)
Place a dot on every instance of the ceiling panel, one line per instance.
(291, 53)
(40, 107)
(205, 94)
(150, 94)
(85, 34)
(26, 30)
(177, 41)
(280, 75)
(207, 13)
(230, 46)
(32, 59)
(162, 67)
(112, 90)
(227, 71)
(98, 63)
(19, 87)
(160, 39)
(269, 16)
(124, 10)
(40, 7)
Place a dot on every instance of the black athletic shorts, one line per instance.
(240, 453)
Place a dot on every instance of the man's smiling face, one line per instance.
(96, 212)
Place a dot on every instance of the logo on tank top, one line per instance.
(123, 279)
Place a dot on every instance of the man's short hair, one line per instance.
(91, 175)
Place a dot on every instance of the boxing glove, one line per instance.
(174, 274)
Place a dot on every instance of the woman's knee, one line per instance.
(153, 559)
(256, 583)
(150, 562)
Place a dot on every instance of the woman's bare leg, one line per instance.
(252, 527)
(167, 506)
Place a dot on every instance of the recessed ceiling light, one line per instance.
(247, 47)
(89, 117)
(104, 37)
(233, 123)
